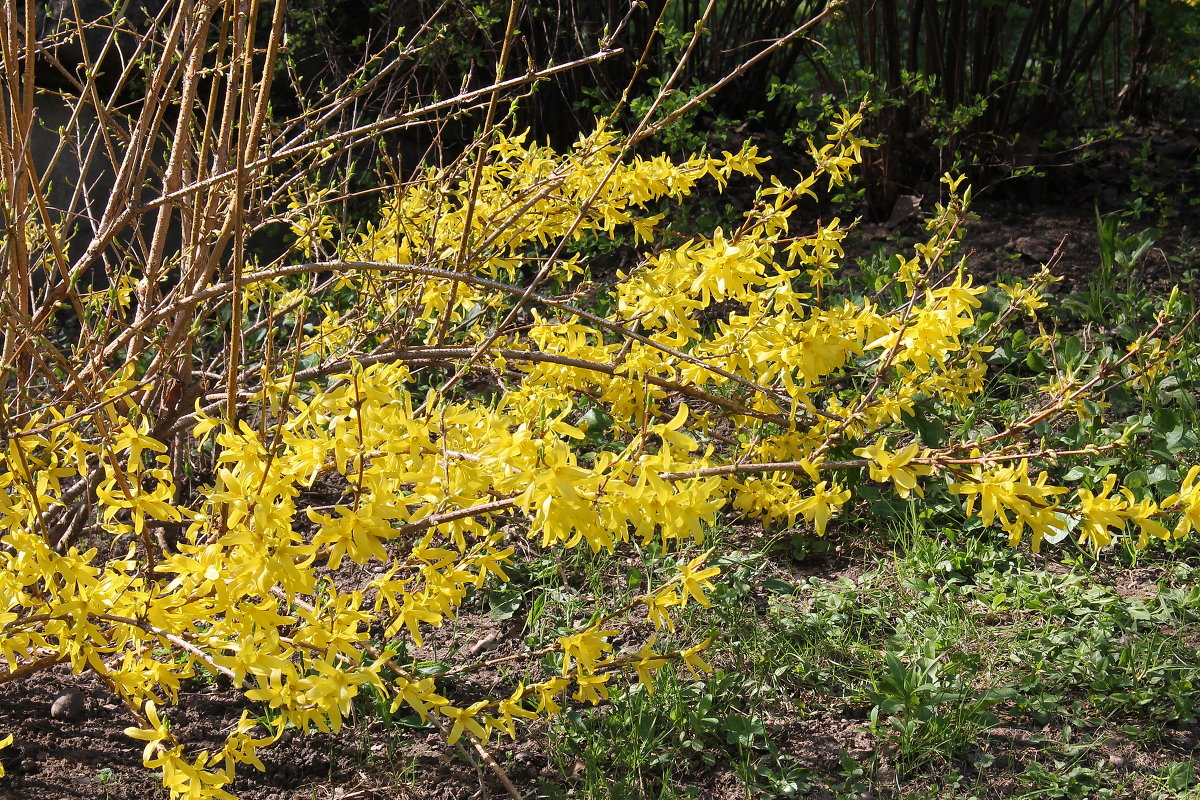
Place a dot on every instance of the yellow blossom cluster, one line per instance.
(734, 376)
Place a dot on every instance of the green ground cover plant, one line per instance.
(951, 666)
(287, 475)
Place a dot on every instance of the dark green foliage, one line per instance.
(954, 84)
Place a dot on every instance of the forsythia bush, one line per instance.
(722, 371)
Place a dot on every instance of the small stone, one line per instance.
(907, 207)
(1180, 149)
(68, 705)
(1031, 248)
(486, 643)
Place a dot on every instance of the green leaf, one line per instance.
(1070, 352)
(1138, 479)
(923, 422)
(777, 586)
(594, 421)
(1159, 473)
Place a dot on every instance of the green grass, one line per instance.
(923, 669)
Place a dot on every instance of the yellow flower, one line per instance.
(1142, 514)
(1023, 297)
(592, 688)
(694, 580)
(5, 742)
(155, 737)
(823, 505)
(647, 662)
(1100, 512)
(658, 608)
(585, 648)
(547, 691)
(692, 660)
(1188, 500)
(464, 720)
(895, 467)
(1008, 490)
(511, 707)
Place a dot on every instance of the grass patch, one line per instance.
(936, 663)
